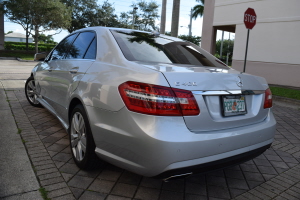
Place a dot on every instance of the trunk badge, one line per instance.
(239, 81)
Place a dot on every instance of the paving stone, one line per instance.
(89, 195)
(290, 159)
(63, 157)
(59, 192)
(76, 192)
(69, 168)
(249, 168)
(102, 186)
(64, 197)
(47, 166)
(273, 158)
(80, 182)
(109, 175)
(130, 178)
(66, 176)
(236, 192)
(168, 195)
(52, 181)
(175, 185)
(296, 195)
(114, 197)
(288, 196)
(48, 176)
(267, 170)
(55, 186)
(262, 162)
(195, 188)
(253, 184)
(251, 196)
(59, 164)
(46, 171)
(237, 183)
(125, 190)
(63, 141)
(151, 182)
(217, 181)
(234, 174)
(218, 192)
(147, 193)
(270, 187)
(253, 176)
(277, 164)
(266, 192)
(195, 197)
(56, 147)
(197, 178)
(90, 173)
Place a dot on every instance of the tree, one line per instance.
(198, 10)
(227, 48)
(8, 32)
(193, 39)
(37, 16)
(84, 13)
(47, 39)
(106, 15)
(146, 15)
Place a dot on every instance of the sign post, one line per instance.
(249, 21)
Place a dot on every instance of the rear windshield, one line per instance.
(141, 46)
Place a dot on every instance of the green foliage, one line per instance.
(22, 46)
(46, 39)
(146, 14)
(286, 92)
(44, 193)
(197, 10)
(23, 55)
(193, 39)
(37, 16)
(8, 32)
(227, 48)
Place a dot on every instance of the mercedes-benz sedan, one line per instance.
(152, 104)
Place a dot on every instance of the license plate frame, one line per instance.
(233, 105)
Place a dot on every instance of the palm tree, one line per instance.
(198, 10)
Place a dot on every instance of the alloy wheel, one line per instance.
(78, 136)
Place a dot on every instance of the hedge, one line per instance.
(31, 46)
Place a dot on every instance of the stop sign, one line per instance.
(250, 18)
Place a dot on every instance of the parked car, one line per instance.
(151, 104)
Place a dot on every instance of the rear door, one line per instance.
(69, 71)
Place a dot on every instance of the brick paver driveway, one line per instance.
(275, 174)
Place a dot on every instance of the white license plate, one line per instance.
(234, 105)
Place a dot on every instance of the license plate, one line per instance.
(234, 105)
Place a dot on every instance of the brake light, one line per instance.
(268, 98)
(158, 100)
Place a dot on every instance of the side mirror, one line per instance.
(39, 56)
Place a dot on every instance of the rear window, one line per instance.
(141, 46)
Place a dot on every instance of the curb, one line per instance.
(287, 100)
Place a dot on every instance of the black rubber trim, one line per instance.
(215, 165)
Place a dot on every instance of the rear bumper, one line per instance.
(215, 165)
(154, 145)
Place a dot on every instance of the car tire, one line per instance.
(81, 140)
(30, 92)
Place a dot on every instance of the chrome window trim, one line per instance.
(228, 92)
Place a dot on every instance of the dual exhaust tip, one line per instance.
(178, 176)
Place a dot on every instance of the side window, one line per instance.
(91, 52)
(80, 45)
(62, 48)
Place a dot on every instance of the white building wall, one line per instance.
(15, 39)
(274, 42)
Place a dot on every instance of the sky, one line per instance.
(124, 6)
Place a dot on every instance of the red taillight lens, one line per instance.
(158, 100)
(268, 98)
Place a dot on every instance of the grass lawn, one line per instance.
(22, 55)
(286, 92)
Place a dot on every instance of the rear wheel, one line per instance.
(30, 91)
(81, 140)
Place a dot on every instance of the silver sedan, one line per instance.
(152, 104)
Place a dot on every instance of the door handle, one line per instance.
(74, 70)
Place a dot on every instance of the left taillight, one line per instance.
(268, 98)
(158, 100)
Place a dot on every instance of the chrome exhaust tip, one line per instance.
(177, 176)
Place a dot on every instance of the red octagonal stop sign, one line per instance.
(250, 18)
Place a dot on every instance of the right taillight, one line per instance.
(268, 98)
(158, 100)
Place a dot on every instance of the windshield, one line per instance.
(141, 46)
